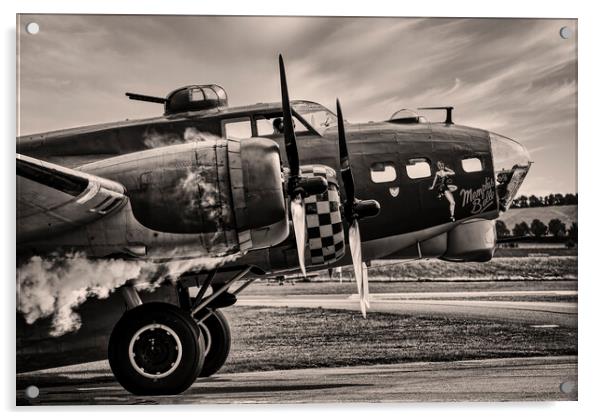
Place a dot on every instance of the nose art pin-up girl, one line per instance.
(445, 186)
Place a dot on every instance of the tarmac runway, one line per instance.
(480, 305)
(520, 379)
(534, 378)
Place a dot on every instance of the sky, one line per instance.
(515, 77)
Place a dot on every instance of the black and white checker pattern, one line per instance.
(323, 219)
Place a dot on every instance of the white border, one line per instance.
(590, 151)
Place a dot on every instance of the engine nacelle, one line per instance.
(473, 240)
(228, 192)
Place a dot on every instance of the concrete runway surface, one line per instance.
(536, 378)
(448, 304)
(520, 379)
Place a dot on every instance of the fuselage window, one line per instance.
(472, 165)
(238, 129)
(383, 172)
(418, 168)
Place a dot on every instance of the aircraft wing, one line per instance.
(52, 199)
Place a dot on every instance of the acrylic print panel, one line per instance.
(200, 221)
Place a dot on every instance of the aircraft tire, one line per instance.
(217, 346)
(156, 349)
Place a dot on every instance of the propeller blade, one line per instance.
(298, 215)
(355, 243)
(354, 210)
(346, 173)
(365, 285)
(298, 187)
(290, 142)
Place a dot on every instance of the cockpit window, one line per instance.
(271, 125)
(319, 117)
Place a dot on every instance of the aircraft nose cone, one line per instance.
(511, 162)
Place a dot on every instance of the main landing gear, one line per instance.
(158, 348)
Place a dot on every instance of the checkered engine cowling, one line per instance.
(323, 218)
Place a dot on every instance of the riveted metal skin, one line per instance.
(213, 197)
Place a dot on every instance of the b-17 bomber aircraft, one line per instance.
(253, 191)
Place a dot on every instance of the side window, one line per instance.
(267, 126)
(472, 165)
(418, 168)
(383, 172)
(237, 129)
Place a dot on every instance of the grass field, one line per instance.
(278, 338)
(504, 268)
(566, 214)
(529, 250)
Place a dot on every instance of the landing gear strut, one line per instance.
(212, 322)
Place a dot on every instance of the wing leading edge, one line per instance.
(52, 199)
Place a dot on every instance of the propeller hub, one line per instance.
(364, 209)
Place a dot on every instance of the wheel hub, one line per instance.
(155, 351)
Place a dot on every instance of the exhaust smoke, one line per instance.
(56, 286)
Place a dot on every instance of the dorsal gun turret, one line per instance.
(188, 98)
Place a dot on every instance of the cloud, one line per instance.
(517, 77)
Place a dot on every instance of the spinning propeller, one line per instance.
(298, 187)
(354, 209)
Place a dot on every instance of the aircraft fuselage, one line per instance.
(394, 162)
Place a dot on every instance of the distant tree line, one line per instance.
(523, 201)
(555, 229)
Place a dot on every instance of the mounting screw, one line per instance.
(32, 392)
(566, 32)
(32, 28)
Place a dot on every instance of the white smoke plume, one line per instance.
(193, 134)
(57, 285)
(153, 139)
